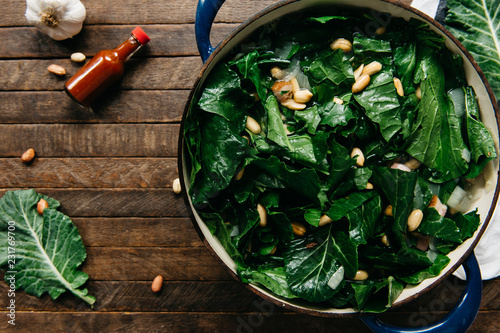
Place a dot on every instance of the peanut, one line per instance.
(324, 220)
(41, 206)
(385, 240)
(361, 83)
(292, 105)
(277, 73)
(357, 72)
(295, 85)
(157, 284)
(358, 154)
(399, 87)
(273, 251)
(298, 229)
(338, 100)
(418, 93)
(311, 245)
(361, 275)
(369, 186)
(78, 57)
(239, 175)
(176, 186)
(262, 215)
(302, 96)
(372, 68)
(56, 69)
(380, 30)
(342, 44)
(253, 126)
(388, 211)
(28, 155)
(415, 219)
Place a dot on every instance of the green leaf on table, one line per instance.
(48, 248)
(476, 24)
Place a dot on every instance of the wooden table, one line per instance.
(112, 171)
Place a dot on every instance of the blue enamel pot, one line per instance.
(464, 313)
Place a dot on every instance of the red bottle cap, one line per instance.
(141, 36)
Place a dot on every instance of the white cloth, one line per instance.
(487, 250)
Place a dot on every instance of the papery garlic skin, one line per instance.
(60, 19)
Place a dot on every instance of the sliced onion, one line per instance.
(456, 197)
(303, 81)
(284, 51)
(336, 278)
(457, 96)
(466, 154)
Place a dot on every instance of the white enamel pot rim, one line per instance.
(475, 77)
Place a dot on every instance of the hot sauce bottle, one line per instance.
(104, 69)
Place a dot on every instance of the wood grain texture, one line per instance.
(89, 173)
(117, 106)
(90, 140)
(144, 263)
(228, 296)
(268, 320)
(127, 11)
(137, 231)
(117, 202)
(141, 74)
(166, 40)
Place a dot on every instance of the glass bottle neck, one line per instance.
(128, 48)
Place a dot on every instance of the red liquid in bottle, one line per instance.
(104, 69)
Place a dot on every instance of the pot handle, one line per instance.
(460, 317)
(205, 15)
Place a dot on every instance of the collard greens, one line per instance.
(42, 252)
(308, 173)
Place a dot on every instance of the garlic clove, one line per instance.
(59, 19)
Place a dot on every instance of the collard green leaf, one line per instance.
(381, 103)
(438, 226)
(477, 25)
(304, 181)
(48, 249)
(363, 221)
(275, 129)
(399, 188)
(341, 207)
(309, 269)
(480, 140)
(224, 96)
(272, 278)
(436, 138)
(377, 296)
(222, 150)
(440, 262)
(334, 67)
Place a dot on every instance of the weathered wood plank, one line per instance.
(144, 263)
(89, 173)
(123, 106)
(117, 202)
(90, 140)
(166, 40)
(155, 12)
(215, 296)
(141, 74)
(268, 320)
(227, 296)
(144, 232)
(134, 296)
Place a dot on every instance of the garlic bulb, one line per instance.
(60, 19)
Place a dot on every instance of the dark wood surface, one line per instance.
(112, 171)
